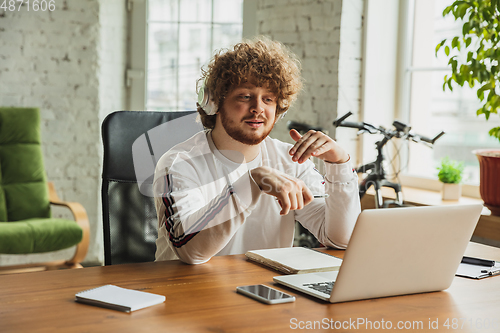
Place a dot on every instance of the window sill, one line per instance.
(435, 185)
(487, 230)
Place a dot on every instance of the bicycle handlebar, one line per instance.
(402, 130)
(361, 126)
(341, 119)
(351, 124)
(437, 136)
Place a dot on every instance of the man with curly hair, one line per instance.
(232, 188)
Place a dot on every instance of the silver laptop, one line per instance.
(395, 251)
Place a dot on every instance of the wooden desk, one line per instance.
(202, 298)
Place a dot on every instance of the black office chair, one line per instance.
(133, 143)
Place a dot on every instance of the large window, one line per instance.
(182, 36)
(430, 108)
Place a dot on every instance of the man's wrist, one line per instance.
(342, 160)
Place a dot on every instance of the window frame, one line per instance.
(402, 52)
(407, 18)
(135, 76)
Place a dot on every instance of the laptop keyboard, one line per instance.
(324, 287)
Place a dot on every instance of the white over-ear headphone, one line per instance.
(205, 101)
(208, 105)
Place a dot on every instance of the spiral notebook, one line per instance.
(116, 298)
(295, 260)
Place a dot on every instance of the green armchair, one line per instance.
(26, 225)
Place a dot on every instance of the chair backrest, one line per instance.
(133, 143)
(23, 184)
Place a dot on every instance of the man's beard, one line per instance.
(238, 135)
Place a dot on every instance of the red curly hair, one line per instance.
(268, 63)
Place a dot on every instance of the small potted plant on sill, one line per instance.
(450, 174)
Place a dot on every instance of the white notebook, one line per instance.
(295, 260)
(117, 298)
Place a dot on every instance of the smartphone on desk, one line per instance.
(265, 294)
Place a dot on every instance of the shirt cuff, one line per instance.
(340, 173)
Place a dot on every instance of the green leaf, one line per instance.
(480, 95)
(462, 10)
(480, 76)
(440, 45)
(486, 112)
(466, 28)
(493, 101)
(471, 82)
(490, 99)
(468, 41)
(495, 132)
(469, 56)
(480, 91)
(494, 70)
(454, 64)
(447, 10)
(447, 50)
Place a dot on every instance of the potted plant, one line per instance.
(479, 43)
(450, 174)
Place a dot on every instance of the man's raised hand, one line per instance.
(316, 144)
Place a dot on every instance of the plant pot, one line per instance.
(489, 183)
(451, 191)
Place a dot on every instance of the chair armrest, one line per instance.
(81, 218)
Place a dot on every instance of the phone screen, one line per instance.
(266, 293)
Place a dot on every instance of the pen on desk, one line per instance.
(317, 196)
(478, 261)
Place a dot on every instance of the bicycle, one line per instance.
(376, 175)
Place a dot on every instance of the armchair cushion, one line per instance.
(26, 201)
(22, 181)
(38, 235)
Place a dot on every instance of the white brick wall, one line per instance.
(350, 66)
(70, 63)
(327, 36)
